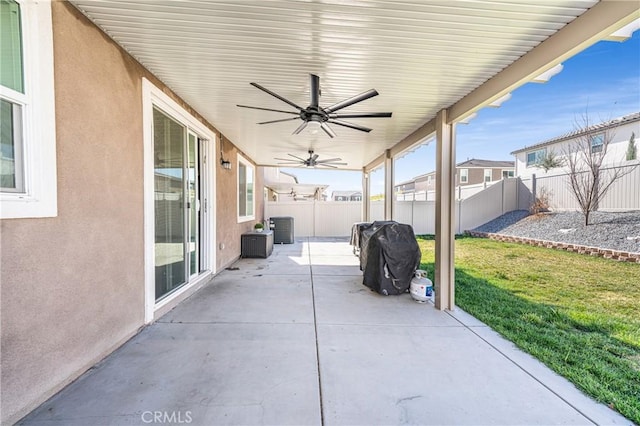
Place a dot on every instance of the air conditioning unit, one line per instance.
(282, 228)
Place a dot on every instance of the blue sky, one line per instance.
(603, 80)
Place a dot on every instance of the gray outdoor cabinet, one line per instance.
(256, 244)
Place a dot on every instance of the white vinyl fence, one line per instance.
(462, 192)
(335, 218)
(623, 195)
(318, 218)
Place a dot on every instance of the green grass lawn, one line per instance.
(580, 315)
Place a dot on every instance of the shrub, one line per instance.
(541, 203)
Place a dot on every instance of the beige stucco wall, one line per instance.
(73, 286)
(227, 227)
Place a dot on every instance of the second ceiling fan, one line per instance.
(318, 115)
(312, 161)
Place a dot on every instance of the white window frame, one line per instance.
(464, 175)
(153, 96)
(488, 175)
(248, 164)
(40, 195)
(538, 157)
(599, 136)
(510, 173)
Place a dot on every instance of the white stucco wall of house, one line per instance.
(615, 154)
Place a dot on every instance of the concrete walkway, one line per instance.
(296, 339)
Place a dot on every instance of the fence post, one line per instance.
(314, 216)
(502, 209)
(413, 203)
(534, 188)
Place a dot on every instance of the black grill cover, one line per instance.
(389, 256)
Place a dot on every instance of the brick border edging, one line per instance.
(621, 256)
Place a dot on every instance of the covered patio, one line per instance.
(297, 339)
(435, 65)
(142, 172)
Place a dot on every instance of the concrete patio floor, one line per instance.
(296, 339)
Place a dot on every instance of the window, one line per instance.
(27, 113)
(488, 175)
(597, 143)
(245, 190)
(12, 81)
(507, 174)
(464, 175)
(535, 157)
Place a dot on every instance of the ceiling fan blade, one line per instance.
(290, 164)
(350, 125)
(300, 128)
(354, 100)
(275, 95)
(328, 130)
(278, 121)
(295, 156)
(362, 115)
(330, 159)
(326, 165)
(315, 90)
(268, 109)
(314, 157)
(287, 159)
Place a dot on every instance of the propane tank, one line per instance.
(421, 287)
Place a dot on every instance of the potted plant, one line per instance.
(258, 227)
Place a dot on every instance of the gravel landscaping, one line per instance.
(608, 230)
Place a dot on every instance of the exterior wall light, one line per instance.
(226, 164)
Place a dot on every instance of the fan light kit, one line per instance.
(312, 161)
(315, 117)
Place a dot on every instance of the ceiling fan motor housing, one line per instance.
(314, 113)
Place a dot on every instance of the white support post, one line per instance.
(388, 185)
(445, 213)
(366, 196)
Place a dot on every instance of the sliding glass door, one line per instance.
(178, 194)
(193, 203)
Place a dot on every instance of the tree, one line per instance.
(631, 148)
(550, 161)
(588, 181)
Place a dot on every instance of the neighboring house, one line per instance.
(355, 195)
(619, 131)
(474, 171)
(280, 192)
(468, 172)
(282, 186)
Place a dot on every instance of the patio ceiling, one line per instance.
(421, 56)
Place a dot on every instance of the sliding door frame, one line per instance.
(152, 97)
